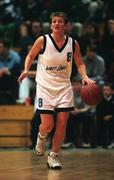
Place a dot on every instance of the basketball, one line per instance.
(91, 94)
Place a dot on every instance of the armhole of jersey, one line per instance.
(44, 46)
(73, 45)
(74, 67)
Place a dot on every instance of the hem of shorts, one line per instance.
(64, 109)
(43, 111)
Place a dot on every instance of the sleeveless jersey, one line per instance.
(55, 65)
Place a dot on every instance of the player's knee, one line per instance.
(47, 127)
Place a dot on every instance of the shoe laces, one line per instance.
(55, 159)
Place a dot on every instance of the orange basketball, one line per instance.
(91, 94)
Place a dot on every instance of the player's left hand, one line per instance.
(87, 80)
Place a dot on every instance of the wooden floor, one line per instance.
(24, 164)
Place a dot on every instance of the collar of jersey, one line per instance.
(59, 49)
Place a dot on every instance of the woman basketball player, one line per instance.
(54, 91)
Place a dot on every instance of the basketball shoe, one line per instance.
(53, 162)
(40, 145)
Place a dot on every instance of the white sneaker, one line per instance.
(40, 145)
(53, 162)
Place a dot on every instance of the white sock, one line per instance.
(41, 137)
(53, 154)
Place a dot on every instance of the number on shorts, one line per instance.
(40, 102)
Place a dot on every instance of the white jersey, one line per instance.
(55, 65)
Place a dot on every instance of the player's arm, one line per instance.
(81, 66)
(36, 48)
(79, 62)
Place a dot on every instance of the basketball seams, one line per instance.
(91, 94)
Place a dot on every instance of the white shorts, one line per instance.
(62, 101)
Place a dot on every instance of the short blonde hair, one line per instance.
(59, 14)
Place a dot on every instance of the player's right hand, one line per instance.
(23, 75)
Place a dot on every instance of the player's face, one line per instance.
(58, 24)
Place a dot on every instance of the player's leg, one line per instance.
(47, 124)
(58, 138)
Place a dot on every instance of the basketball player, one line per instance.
(54, 91)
